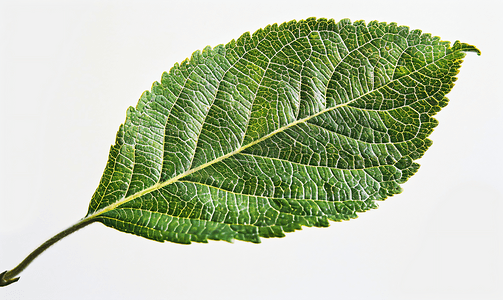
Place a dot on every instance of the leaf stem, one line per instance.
(9, 277)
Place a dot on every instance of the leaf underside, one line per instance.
(294, 125)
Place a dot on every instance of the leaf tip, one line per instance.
(465, 47)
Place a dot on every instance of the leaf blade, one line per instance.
(292, 126)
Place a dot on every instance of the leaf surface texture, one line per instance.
(294, 125)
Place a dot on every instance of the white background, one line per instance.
(70, 69)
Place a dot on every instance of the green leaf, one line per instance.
(295, 125)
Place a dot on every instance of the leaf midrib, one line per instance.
(159, 185)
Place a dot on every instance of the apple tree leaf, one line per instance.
(294, 125)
